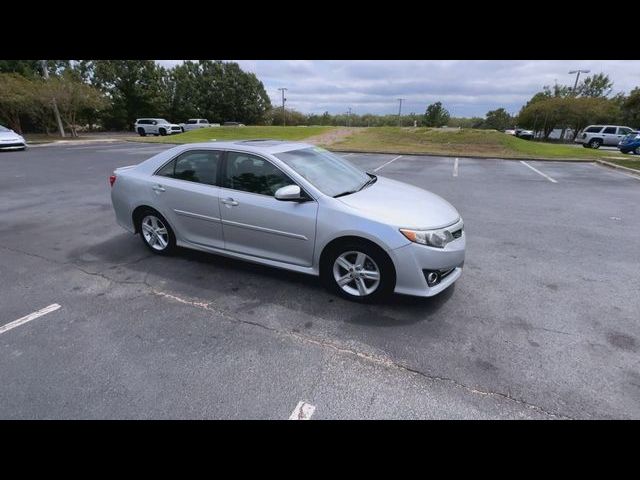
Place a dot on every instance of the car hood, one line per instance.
(403, 205)
(10, 136)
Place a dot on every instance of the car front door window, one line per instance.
(253, 174)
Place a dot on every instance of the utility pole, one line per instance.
(400, 112)
(578, 72)
(284, 112)
(45, 74)
(349, 117)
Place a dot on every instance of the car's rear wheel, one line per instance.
(156, 233)
(142, 132)
(595, 143)
(358, 271)
(162, 132)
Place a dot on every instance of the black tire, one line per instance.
(170, 237)
(595, 143)
(162, 132)
(182, 129)
(384, 265)
(636, 150)
(586, 145)
(626, 152)
(142, 132)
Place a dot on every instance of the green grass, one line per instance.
(239, 133)
(464, 142)
(627, 162)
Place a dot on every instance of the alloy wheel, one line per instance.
(155, 233)
(356, 273)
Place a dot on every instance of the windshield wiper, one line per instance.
(368, 182)
(348, 192)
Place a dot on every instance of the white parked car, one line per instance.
(195, 123)
(10, 140)
(155, 126)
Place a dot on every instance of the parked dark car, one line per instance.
(630, 143)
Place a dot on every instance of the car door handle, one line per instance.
(230, 201)
(158, 188)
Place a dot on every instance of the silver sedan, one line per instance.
(298, 207)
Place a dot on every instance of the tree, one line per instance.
(134, 87)
(436, 115)
(498, 119)
(15, 97)
(596, 86)
(630, 108)
(72, 97)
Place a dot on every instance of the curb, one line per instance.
(72, 142)
(631, 171)
(516, 159)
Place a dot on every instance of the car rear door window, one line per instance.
(199, 166)
(610, 130)
(250, 173)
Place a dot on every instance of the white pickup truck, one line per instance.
(194, 123)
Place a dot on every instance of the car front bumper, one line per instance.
(412, 260)
(12, 145)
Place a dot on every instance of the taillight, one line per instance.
(112, 180)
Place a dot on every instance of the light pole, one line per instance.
(577, 72)
(400, 112)
(284, 114)
(349, 117)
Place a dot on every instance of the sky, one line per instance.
(465, 87)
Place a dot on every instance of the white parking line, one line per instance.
(385, 164)
(303, 411)
(32, 316)
(455, 167)
(538, 172)
(348, 154)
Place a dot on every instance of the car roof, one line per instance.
(253, 145)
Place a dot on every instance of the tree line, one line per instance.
(111, 94)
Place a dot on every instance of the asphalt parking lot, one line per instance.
(544, 322)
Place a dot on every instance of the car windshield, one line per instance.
(4, 129)
(329, 173)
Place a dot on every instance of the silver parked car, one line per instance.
(595, 136)
(294, 206)
(195, 123)
(10, 140)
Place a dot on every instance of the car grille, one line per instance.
(176, 128)
(15, 144)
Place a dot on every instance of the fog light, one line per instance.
(433, 278)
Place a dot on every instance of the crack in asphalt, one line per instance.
(373, 358)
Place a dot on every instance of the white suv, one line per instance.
(155, 126)
(595, 136)
(195, 123)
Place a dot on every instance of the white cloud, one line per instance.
(465, 87)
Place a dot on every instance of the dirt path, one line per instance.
(331, 137)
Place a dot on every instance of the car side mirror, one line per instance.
(290, 193)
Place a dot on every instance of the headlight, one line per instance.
(433, 238)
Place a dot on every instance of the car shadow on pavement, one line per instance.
(206, 275)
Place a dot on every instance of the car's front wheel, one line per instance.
(358, 271)
(162, 132)
(156, 233)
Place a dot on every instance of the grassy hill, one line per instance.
(239, 133)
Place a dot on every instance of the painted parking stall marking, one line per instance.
(385, 164)
(538, 172)
(303, 411)
(27, 318)
(455, 167)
